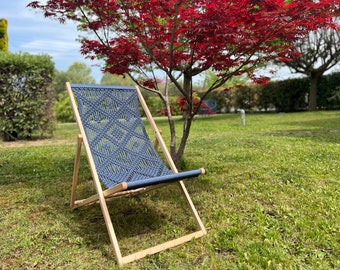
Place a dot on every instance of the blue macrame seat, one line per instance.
(120, 146)
(121, 155)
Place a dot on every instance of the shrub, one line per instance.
(64, 109)
(328, 92)
(154, 104)
(244, 97)
(292, 94)
(286, 96)
(157, 107)
(222, 98)
(26, 96)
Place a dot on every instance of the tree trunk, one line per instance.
(185, 135)
(312, 100)
(177, 154)
(172, 137)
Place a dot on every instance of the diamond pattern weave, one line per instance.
(120, 146)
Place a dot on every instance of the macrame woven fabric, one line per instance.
(120, 146)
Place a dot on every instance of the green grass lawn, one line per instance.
(270, 200)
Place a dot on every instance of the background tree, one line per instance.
(3, 35)
(78, 72)
(210, 77)
(158, 42)
(225, 95)
(319, 52)
(113, 79)
(60, 77)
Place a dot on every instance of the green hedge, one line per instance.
(328, 96)
(26, 96)
(284, 96)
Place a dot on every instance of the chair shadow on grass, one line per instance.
(139, 221)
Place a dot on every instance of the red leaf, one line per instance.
(191, 36)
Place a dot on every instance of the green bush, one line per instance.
(292, 94)
(286, 96)
(328, 92)
(244, 97)
(222, 98)
(26, 96)
(157, 107)
(154, 104)
(64, 109)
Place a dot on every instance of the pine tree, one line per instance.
(3, 35)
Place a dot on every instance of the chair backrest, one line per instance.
(120, 146)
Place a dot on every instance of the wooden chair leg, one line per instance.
(76, 171)
(192, 207)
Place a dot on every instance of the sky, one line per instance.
(29, 31)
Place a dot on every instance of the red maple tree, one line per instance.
(162, 42)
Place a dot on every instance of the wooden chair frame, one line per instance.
(119, 190)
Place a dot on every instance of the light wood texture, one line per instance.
(76, 170)
(101, 198)
(161, 247)
(106, 193)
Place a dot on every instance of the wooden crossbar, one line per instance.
(169, 244)
(106, 193)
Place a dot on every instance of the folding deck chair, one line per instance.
(121, 157)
